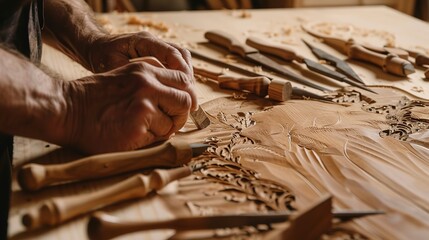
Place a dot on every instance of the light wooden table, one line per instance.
(187, 29)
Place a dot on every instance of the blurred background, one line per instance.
(417, 8)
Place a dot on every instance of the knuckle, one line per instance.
(184, 81)
(185, 101)
(186, 52)
(174, 51)
(137, 67)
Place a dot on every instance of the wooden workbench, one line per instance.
(187, 29)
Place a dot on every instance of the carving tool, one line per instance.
(420, 59)
(103, 226)
(59, 209)
(389, 63)
(226, 65)
(262, 86)
(296, 92)
(234, 46)
(32, 177)
(339, 64)
(388, 50)
(199, 117)
(290, 55)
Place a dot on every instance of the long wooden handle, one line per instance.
(257, 85)
(389, 63)
(33, 177)
(317, 217)
(59, 209)
(103, 226)
(228, 41)
(283, 52)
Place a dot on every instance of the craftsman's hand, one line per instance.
(111, 51)
(126, 108)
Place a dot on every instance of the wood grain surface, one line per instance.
(283, 27)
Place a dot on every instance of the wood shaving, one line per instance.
(272, 34)
(229, 58)
(241, 14)
(135, 20)
(239, 95)
(257, 69)
(417, 89)
(200, 78)
(287, 31)
(347, 31)
(225, 71)
(424, 49)
(103, 20)
(245, 14)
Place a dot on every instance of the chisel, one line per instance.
(389, 63)
(59, 209)
(32, 177)
(289, 54)
(104, 226)
(262, 86)
(234, 46)
(296, 92)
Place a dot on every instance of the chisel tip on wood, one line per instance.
(200, 118)
(408, 69)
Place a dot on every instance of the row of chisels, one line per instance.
(391, 60)
(172, 154)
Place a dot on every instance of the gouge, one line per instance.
(290, 55)
(198, 116)
(389, 63)
(32, 177)
(262, 86)
(234, 46)
(59, 209)
(104, 226)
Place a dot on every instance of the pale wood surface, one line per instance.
(187, 28)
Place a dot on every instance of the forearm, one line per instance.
(31, 102)
(70, 27)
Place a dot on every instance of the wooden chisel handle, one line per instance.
(283, 52)
(421, 60)
(427, 73)
(228, 41)
(257, 85)
(278, 90)
(57, 210)
(389, 63)
(103, 226)
(170, 154)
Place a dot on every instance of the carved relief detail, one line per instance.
(240, 185)
(402, 122)
(400, 116)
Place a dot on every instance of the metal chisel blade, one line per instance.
(200, 118)
(317, 67)
(274, 66)
(338, 63)
(198, 148)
